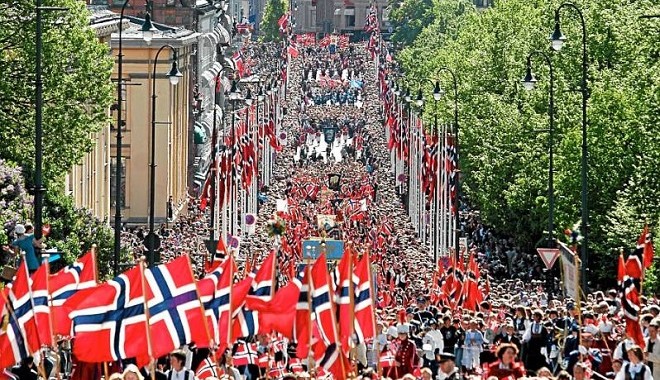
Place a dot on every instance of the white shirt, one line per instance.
(633, 369)
(181, 375)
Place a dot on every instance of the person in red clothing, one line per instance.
(405, 358)
(506, 367)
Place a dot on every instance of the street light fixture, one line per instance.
(260, 94)
(557, 39)
(248, 97)
(529, 82)
(407, 96)
(420, 98)
(174, 75)
(438, 92)
(148, 29)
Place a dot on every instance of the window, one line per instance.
(113, 182)
(349, 17)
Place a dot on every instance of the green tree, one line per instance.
(77, 86)
(270, 29)
(504, 156)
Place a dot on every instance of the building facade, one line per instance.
(338, 16)
(172, 116)
(89, 181)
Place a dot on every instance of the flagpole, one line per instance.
(231, 289)
(147, 319)
(373, 308)
(351, 297)
(94, 267)
(310, 356)
(201, 305)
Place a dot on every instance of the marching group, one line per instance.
(520, 330)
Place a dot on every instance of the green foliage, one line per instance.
(73, 231)
(13, 199)
(270, 30)
(503, 129)
(77, 89)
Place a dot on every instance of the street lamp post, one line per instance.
(529, 82)
(174, 76)
(147, 30)
(437, 94)
(557, 38)
(39, 189)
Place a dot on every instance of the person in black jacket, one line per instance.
(508, 335)
(27, 369)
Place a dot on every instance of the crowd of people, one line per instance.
(522, 329)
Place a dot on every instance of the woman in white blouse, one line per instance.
(635, 369)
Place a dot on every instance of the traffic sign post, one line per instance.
(549, 256)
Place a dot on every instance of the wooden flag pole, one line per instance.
(147, 321)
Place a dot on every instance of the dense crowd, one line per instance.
(523, 328)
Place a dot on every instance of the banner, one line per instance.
(334, 249)
(571, 271)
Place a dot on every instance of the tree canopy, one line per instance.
(77, 87)
(504, 140)
(269, 28)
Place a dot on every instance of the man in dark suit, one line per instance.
(508, 335)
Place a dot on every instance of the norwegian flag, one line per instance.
(276, 369)
(41, 305)
(206, 369)
(295, 365)
(334, 362)
(323, 306)
(238, 59)
(371, 22)
(175, 312)
(344, 298)
(245, 353)
(12, 338)
(214, 291)
(78, 276)
(630, 305)
(364, 300)
(645, 250)
(279, 313)
(303, 316)
(283, 22)
(21, 301)
(264, 280)
(386, 359)
(111, 318)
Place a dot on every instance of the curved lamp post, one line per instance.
(557, 39)
(147, 35)
(529, 83)
(174, 76)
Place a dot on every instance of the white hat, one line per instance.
(19, 229)
(403, 329)
(134, 369)
(391, 331)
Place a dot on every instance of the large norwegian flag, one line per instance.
(21, 301)
(111, 318)
(40, 298)
(13, 346)
(630, 305)
(262, 286)
(175, 312)
(65, 283)
(365, 327)
(303, 318)
(323, 307)
(214, 290)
